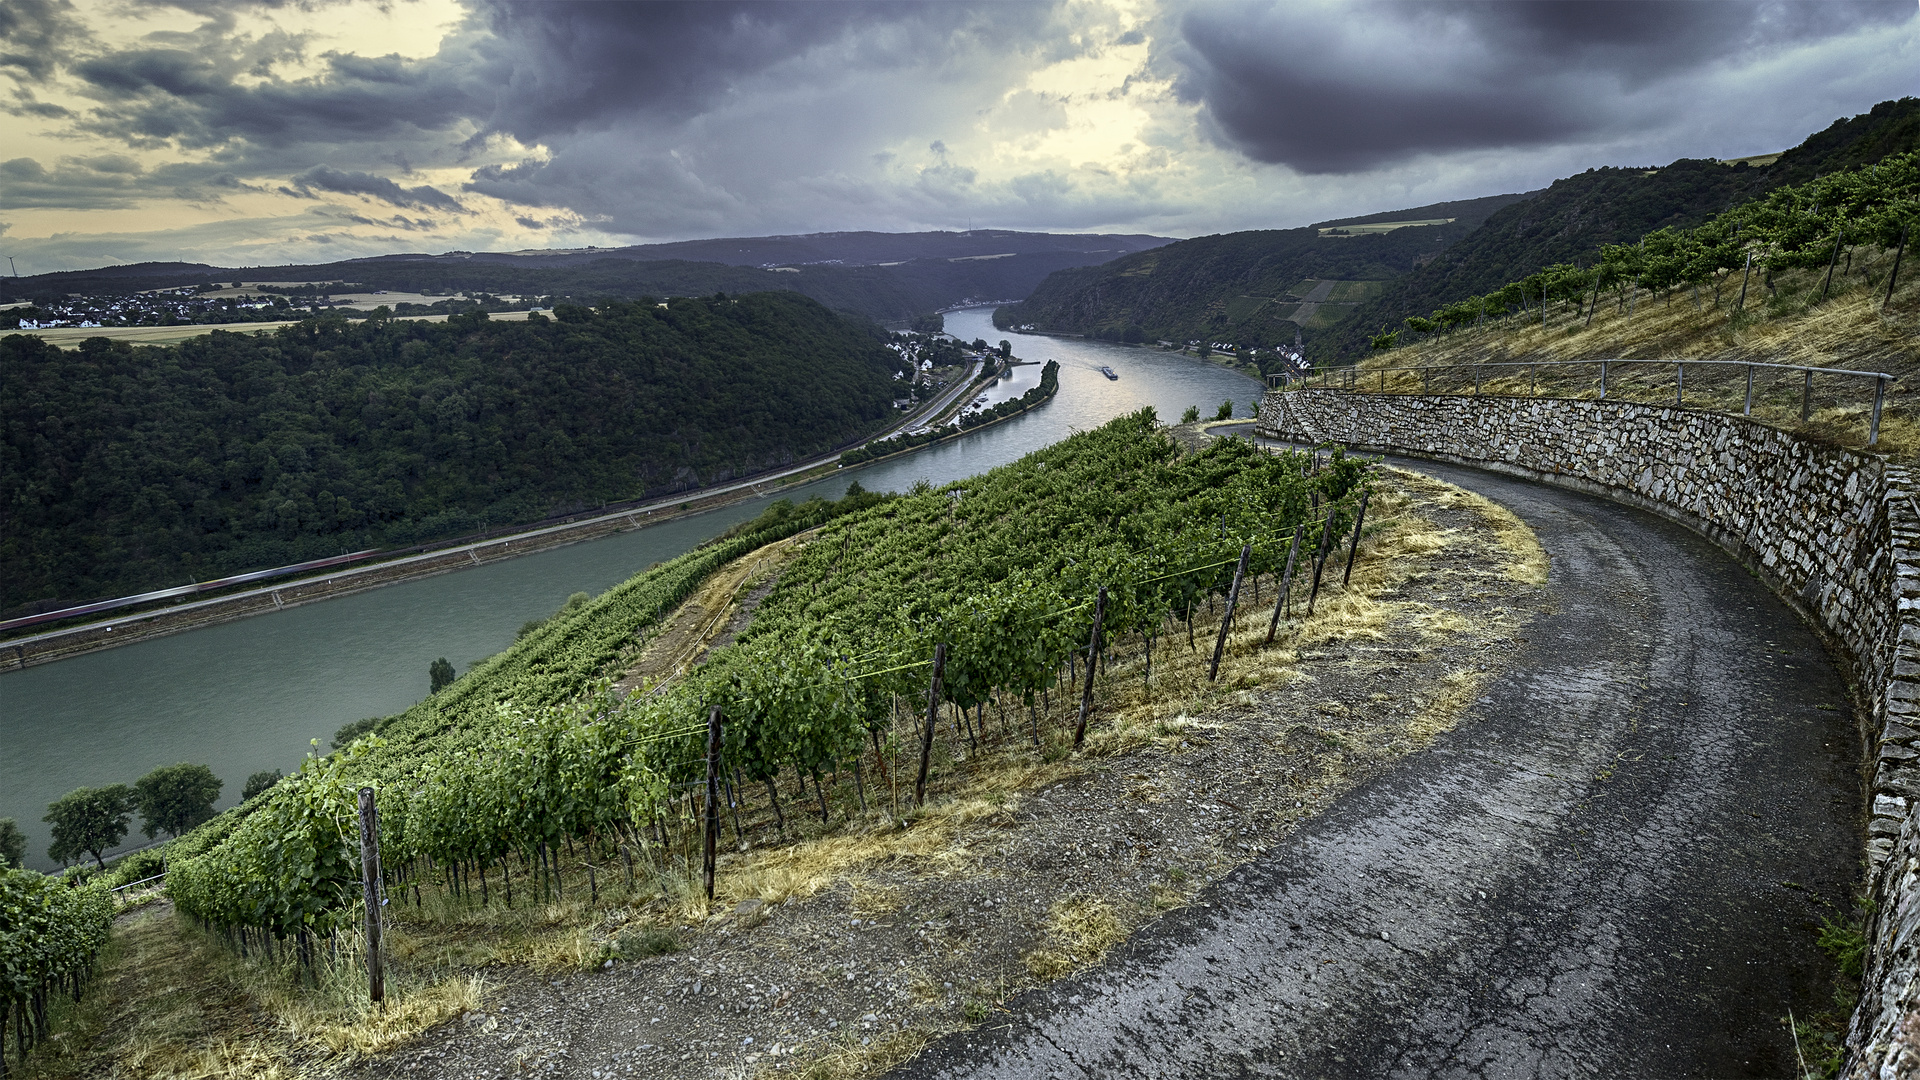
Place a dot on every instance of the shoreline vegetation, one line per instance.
(882, 449)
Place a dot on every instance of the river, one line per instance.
(248, 695)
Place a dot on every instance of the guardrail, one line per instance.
(1355, 378)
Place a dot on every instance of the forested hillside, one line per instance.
(1243, 287)
(1213, 288)
(1573, 219)
(129, 468)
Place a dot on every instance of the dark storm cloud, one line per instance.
(322, 178)
(1345, 89)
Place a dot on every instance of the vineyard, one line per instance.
(481, 788)
(50, 936)
(1807, 226)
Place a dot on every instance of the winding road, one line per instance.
(1615, 866)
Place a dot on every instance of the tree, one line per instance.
(1383, 341)
(260, 782)
(1191, 416)
(13, 844)
(175, 798)
(979, 344)
(1206, 349)
(441, 673)
(1225, 411)
(1006, 349)
(89, 821)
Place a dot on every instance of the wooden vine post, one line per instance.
(1286, 581)
(1358, 520)
(1226, 624)
(714, 721)
(933, 718)
(1093, 650)
(370, 887)
(1320, 561)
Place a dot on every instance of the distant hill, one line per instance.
(1570, 220)
(887, 277)
(1248, 288)
(865, 248)
(1245, 288)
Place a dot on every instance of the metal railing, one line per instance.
(1354, 378)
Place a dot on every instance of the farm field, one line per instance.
(845, 944)
(70, 337)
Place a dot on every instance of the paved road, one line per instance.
(1613, 868)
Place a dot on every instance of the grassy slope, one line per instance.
(1575, 216)
(1785, 324)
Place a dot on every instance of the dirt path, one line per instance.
(844, 954)
(712, 616)
(1615, 867)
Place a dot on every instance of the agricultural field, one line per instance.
(1376, 227)
(851, 919)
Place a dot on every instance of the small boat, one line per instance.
(1109, 372)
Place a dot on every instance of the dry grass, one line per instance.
(1080, 930)
(1789, 325)
(172, 1003)
(848, 1060)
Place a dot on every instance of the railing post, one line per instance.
(1476, 380)
(1749, 408)
(1879, 394)
(1533, 380)
(1603, 380)
(370, 891)
(1423, 380)
(1806, 398)
(1679, 383)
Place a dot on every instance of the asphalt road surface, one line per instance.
(1615, 865)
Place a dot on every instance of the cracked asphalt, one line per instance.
(1616, 866)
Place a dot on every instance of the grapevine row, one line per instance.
(1804, 226)
(50, 934)
(1001, 569)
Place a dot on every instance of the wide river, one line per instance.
(248, 695)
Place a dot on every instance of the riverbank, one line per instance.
(136, 626)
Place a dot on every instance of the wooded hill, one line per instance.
(922, 272)
(1237, 287)
(1576, 217)
(1203, 288)
(129, 468)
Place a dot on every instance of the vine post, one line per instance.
(1226, 623)
(370, 887)
(1320, 561)
(1286, 582)
(1358, 520)
(714, 721)
(1093, 651)
(933, 718)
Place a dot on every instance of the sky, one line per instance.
(267, 132)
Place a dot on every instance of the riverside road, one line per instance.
(1615, 866)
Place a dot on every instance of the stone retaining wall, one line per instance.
(1834, 532)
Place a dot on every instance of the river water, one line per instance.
(248, 695)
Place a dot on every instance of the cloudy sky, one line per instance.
(269, 132)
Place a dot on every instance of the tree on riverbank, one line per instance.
(13, 844)
(441, 673)
(175, 798)
(89, 821)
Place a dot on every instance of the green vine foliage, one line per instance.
(51, 931)
(1792, 227)
(532, 748)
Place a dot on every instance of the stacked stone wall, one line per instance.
(1835, 532)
